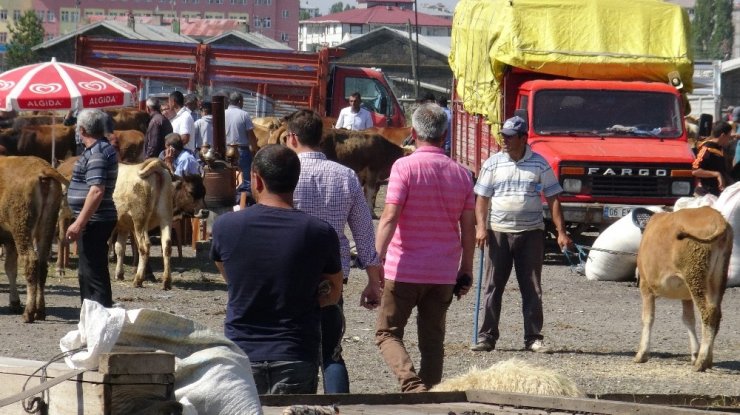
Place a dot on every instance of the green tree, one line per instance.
(336, 7)
(712, 30)
(348, 7)
(24, 35)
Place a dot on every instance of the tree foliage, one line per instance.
(712, 29)
(336, 7)
(24, 35)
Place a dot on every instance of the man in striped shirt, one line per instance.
(426, 238)
(509, 191)
(90, 196)
(332, 192)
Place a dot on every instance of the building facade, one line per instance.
(333, 29)
(276, 19)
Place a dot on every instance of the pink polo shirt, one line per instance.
(432, 191)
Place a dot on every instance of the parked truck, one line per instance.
(273, 82)
(601, 84)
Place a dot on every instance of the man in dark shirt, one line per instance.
(90, 196)
(710, 166)
(158, 128)
(276, 277)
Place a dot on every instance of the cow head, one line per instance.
(188, 195)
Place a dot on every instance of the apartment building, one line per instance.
(276, 19)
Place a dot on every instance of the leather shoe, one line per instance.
(483, 346)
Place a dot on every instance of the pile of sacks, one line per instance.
(613, 259)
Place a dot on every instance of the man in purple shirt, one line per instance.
(158, 128)
(332, 192)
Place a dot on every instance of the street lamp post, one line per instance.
(416, 47)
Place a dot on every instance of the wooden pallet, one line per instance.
(480, 402)
(125, 383)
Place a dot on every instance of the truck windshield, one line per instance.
(601, 113)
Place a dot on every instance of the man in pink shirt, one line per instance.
(426, 238)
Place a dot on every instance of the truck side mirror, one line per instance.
(521, 112)
(705, 125)
(383, 105)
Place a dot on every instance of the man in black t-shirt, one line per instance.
(275, 259)
(710, 165)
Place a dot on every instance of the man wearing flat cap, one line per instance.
(509, 219)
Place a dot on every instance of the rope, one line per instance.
(38, 405)
(582, 256)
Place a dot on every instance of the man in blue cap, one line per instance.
(509, 219)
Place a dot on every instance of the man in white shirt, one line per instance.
(354, 117)
(239, 131)
(182, 122)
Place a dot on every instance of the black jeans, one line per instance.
(525, 252)
(283, 377)
(92, 249)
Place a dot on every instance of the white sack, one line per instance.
(621, 236)
(213, 376)
(728, 205)
(694, 202)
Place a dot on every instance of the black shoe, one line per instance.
(483, 346)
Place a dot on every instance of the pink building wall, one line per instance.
(282, 15)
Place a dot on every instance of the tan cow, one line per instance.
(684, 255)
(129, 144)
(30, 195)
(146, 198)
(399, 136)
(129, 119)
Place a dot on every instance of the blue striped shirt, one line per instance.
(515, 189)
(330, 191)
(97, 165)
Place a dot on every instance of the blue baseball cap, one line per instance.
(514, 125)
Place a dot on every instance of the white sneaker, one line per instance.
(538, 346)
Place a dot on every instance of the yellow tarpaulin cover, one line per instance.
(588, 39)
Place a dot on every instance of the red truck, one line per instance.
(273, 82)
(613, 144)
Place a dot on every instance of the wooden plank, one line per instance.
(136, 363)
(363, 398)
(70, 397)
(578, 404)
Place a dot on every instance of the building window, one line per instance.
(50, 17)
(49, 36)
(16, 15)
(284, 37)
(266, 22)
(238, 1)
(3, 37)
(3, 15)
(262, 2)
(65, 16)
(285, 13)
(215, 1)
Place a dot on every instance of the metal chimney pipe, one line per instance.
(218, 105)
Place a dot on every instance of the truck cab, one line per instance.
(374, 88)
(613, 145)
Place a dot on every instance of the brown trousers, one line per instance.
(432, 302)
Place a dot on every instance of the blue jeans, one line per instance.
(336, 379)
(245, 164)
(282, 378)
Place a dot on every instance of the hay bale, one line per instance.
(513, 375)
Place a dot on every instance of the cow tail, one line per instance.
(683, 234)
(52, 173)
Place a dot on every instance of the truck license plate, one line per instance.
(617, 211)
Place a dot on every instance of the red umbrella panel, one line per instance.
(62, 86)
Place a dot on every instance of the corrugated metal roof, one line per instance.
(206, 28)
(257, 39)
(380, 15)
(141, 31)
(438, 44)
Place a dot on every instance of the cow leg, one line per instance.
(166, 240)
(62, 248)
(370, 186)
(11, 270)
(690, 322)
(120, 248)
(31, 265)
(142, 240)
(710, 316)
(648, 316)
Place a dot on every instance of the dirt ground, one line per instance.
(593, 328)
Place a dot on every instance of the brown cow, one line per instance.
(36, 141)
(684, 255)
(65, 217)
(146, 198)
(30, 195)
(129, 144)
(399, 136)
(129, 119)
(370, 155)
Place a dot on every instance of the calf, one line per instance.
(146, 198)
(30, 196)
(684, 255)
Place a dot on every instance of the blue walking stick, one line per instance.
(477, 298)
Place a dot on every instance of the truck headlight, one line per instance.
(572, 185)
(680, 188)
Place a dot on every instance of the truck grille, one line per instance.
(630, 186)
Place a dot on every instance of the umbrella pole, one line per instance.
(53, 140)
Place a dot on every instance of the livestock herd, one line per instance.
(33, 202)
